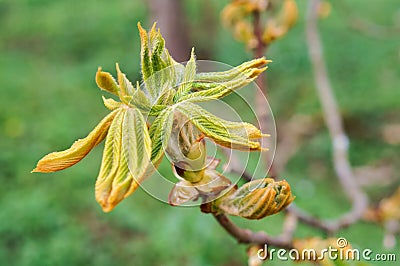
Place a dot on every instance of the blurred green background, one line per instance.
(49, 53)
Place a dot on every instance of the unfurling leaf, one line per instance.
(111, 103)
(126, 158)
(257, 199)
(158, 67)
(139, 100)
(212, 184)
(57, 161)
(147, 70)
(136, 143)
(181, 193)
(253, 67)
(125, 86)
(208, 183)
(222, 89)
(160, 132)
(234, 135)
(188, 76)
(106, 82)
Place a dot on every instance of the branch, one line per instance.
(247, 236)
(334, 123)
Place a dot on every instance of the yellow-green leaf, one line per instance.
(125, 85)
(136, 143)
(257, 199)
(106, 82)
(159, 70)
(236, 135)
(215, 85)
(126, 158)
(181, 193)
(231, 74)
(188, 76)
(140, 100)
(160, 132)
(111, 103)
(145, 56)
(57, 161)
(111, 162)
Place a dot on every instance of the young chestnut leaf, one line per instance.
(158, 67)
(57, 161)
(182, 192)
(126, 158)
(215, 85)
(160, 132)
(256, 199)
(209, 186)
(188, 77)
(228, 75)
(111, 104)
(235, 135)
(106, 82)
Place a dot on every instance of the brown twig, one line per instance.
(247, 236)
(311, 220)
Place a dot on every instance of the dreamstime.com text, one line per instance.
(342, 253)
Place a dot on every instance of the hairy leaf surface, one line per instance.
(57, 161)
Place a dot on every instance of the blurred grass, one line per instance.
(50, 51)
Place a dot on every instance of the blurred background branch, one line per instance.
(333, 120)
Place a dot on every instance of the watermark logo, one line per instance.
(338, 250)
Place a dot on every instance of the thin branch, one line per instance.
(334, 123)
(309, 219)
(247, 236)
